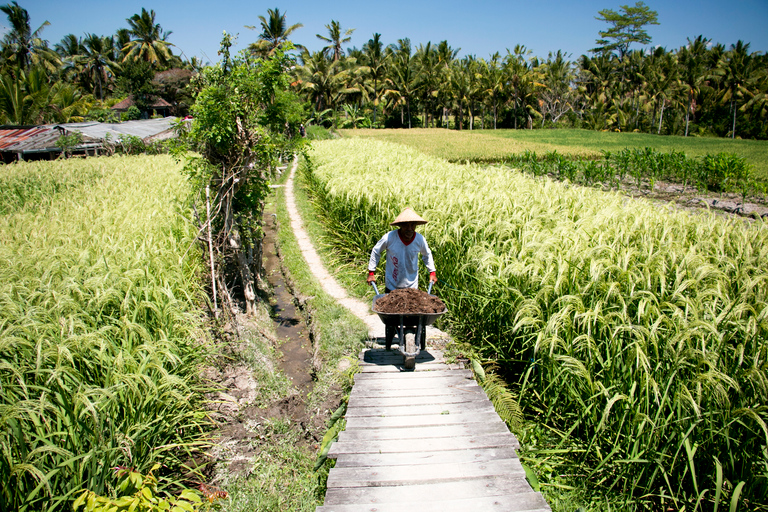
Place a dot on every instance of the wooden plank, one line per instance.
(528, 502)
(427, 399)
(416, 375)
(424, 474)
(346, 460)
(496, 427)
(414, 378)
(388, 369)
(371, 422)
(416, 445)
(421, 410)
(461, 489)
(402, 384)
(437, 392)
(467, 389)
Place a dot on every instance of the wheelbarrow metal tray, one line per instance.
(411, 319)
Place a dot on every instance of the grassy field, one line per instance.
(101, 336)
(635, 335)
(487, 146)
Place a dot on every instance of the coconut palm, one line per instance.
(148, 41)
(555, 98)
(661, 76)
(445, 57)
(521, 79)
(275, 32)
(69, 46)
(375, 61)
(693, 73)
(429, 77)
(735, 69)
(402, 77)
(23, 47)
(335, 39)
(29, 98)
(493, 84)
(325, 82)
(121, 39)
(96, 61)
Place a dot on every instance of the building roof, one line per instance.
(36, 139)
(142, 128)
(128, 102)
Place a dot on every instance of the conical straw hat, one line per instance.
(408, 215)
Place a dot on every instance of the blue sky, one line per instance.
(478, 27)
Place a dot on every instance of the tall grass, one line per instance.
(100, 334)
(490, 146)
(637, 334)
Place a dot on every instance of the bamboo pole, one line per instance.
(210, 248)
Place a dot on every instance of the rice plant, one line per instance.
(100, 334)
(637, 333)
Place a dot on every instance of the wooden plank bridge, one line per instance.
(424, 440)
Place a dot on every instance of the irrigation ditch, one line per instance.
(268, 379)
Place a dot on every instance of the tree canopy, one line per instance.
(627, 27)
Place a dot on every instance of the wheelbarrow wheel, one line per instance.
(389, 335)
(410, 348)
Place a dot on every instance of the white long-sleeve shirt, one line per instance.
(402, 264)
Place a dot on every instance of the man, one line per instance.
(403, 247)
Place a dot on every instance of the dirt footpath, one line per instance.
(358, 307)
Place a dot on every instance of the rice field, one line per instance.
(101, 338)
(488, 146)
(635, 335)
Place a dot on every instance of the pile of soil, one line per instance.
(409, 301)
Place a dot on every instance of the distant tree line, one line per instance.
(700, 88)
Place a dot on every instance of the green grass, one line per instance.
(283, 476)
(754, 151)
(635, 335)
(488, 146)
(101, 336)
(34, 185)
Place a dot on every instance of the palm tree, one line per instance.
(69, 46)
(335, 39)
(402, 77)
(274, 33)
(323, 81)
(661, 77)
(121, 39)
(519, 77)
(96, 61)
(376, 67)
(735, 68)
(692, 71)
(148, 41)
(471, 69)
(22, 46)
(493, 84)
(429, 78)
(445, 57)
(555, 99)
(68, 50)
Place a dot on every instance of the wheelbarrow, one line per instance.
(408, 328)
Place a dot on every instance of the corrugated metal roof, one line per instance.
(143, 128)
(25, 139)
(22, 139)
